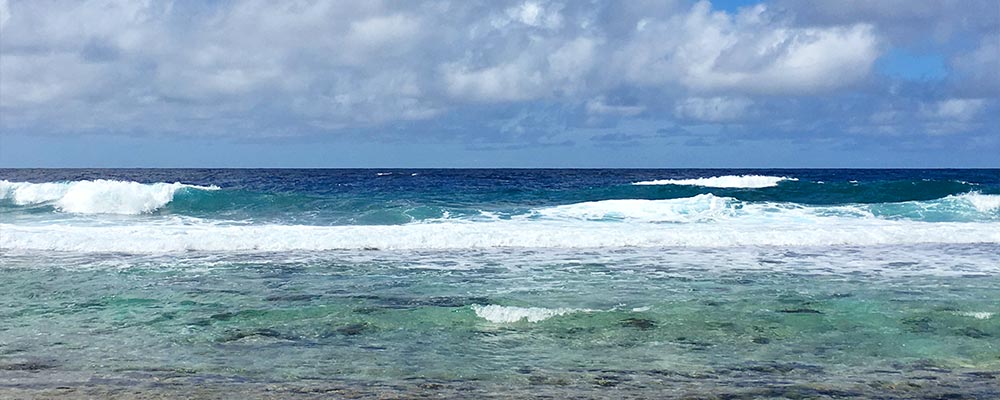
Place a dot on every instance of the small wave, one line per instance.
(507, 314)
(967, 207)
(698, 208)
(727, 181)
(95, 197)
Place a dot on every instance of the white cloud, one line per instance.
(41, 80)
(954, 109)
(532, 13)
(545, 68)
(748, 52)
(574, 59)
(512, 81)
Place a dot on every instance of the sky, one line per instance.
(536, 83)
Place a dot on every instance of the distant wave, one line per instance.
(96, 196)
(727, 181)
(965, 207)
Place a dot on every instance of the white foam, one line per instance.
(508, 314)
(985, 203)
(692, 209)
(699, 221)
(177, 236)
(95, 197)
(977, 315)
(727, 181)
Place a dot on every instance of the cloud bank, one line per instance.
(515, 72)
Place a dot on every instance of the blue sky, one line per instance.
(533, 83)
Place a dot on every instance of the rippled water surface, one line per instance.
(499, 284)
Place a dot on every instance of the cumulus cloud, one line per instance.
(747, 52)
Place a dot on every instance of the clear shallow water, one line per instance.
(747, 293)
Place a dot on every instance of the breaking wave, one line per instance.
(727, 181)
(707, 208)
(96, 196)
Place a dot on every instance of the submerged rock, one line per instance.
(32, 365)
(354, 329)
(639, 323)
(610, 380)
(263, 333)
(389, 302)
(366, 310)
(800, 311)
(918, 324)
(775, 368)
(293, 297)
(971, 332)
(697, 345)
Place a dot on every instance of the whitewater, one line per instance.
(74, 222)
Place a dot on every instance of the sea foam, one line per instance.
(96, 196)
(985, 203)
(700, 221)
(727, 181)
(690, 209)
(508, 314)
(977, 314)
(204, 236)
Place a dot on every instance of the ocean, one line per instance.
(508, 283)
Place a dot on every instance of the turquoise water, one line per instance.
(689, 291)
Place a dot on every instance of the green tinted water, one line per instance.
(619, 318)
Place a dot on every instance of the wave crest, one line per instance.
(95, 197)
(726, 181)
(690, 209)
(985, 203)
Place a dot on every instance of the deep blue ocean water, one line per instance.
(459, 283)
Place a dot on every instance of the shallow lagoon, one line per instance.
(805, 322)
